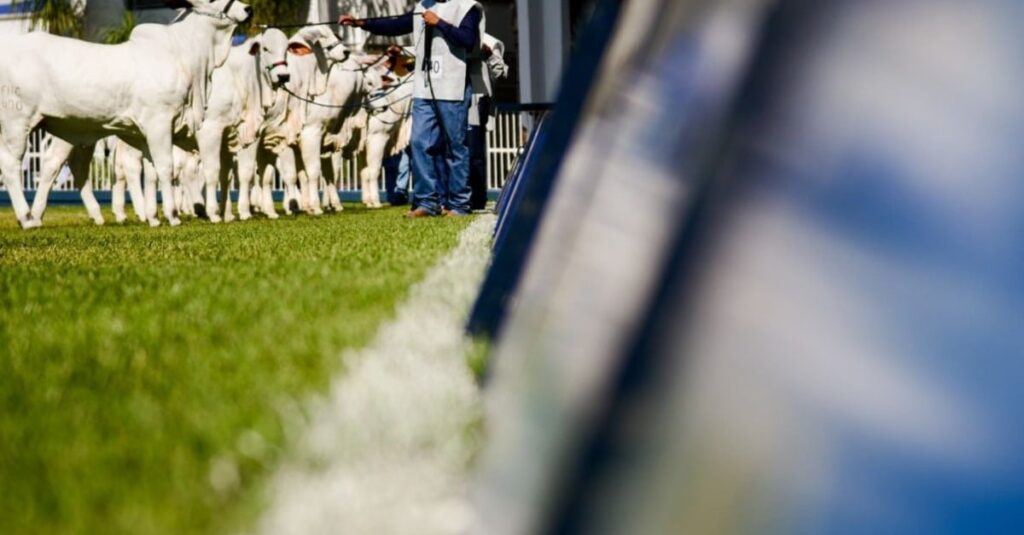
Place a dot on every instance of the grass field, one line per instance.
(148, 376)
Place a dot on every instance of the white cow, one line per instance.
(242, 92)
(245, 100)
(324, 85)
(146, 91)
(387, 131)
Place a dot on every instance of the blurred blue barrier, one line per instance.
(837, 342)
(654, 122)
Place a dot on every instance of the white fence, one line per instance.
(505, 144)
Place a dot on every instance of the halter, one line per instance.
(219, 16)
(282, 63)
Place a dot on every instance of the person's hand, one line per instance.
(431, 18)
(395, 51)
(349, 20)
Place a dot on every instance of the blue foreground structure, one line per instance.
(776, 287)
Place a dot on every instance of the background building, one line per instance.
(538, 34)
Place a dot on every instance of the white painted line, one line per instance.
(389, 450)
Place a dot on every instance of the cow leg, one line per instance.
(245, 170)
(265, 174)
(332, 202)
(311, 145)
(117, 190)
(128, 169)
(150, 191)
(269, 208)
(183, 188)
(195, 191)
(225, 185)
(137, 195)
(302, 193)
(337, 161)
(210, 138)
(12, 152)
(79, 161)
(117, 198)
(53, 160)
(289, 175)
(375, 146)
(161, 151)
(361, 164)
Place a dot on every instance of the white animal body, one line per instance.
(242, 93)
(326, 88)
(146, 91)
(244, 103)
(387, 133)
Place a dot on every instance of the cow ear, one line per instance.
(255, 48)
(178, 4)
(299, 49)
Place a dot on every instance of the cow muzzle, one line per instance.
(279, 74)
(237, 11)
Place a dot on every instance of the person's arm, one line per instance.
(467, 34)
(391, 26)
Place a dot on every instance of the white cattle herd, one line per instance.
(196, 111)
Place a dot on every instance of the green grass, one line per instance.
(148, 376)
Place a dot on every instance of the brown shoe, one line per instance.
(418, 213)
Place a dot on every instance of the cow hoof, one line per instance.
(200, 211)
(229, 218)
(273, 215)
(244, 217)
(293, 207)
(31, 224)
(214, 218)
(154, 223)
(175, 222)
(120, 219)
(99, 222)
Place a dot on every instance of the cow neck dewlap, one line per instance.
(202, 44)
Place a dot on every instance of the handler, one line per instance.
(487, 66)
(441, 98)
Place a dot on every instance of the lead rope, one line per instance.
(308, 24)
(365, 104)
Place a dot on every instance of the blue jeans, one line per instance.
(441, 162)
